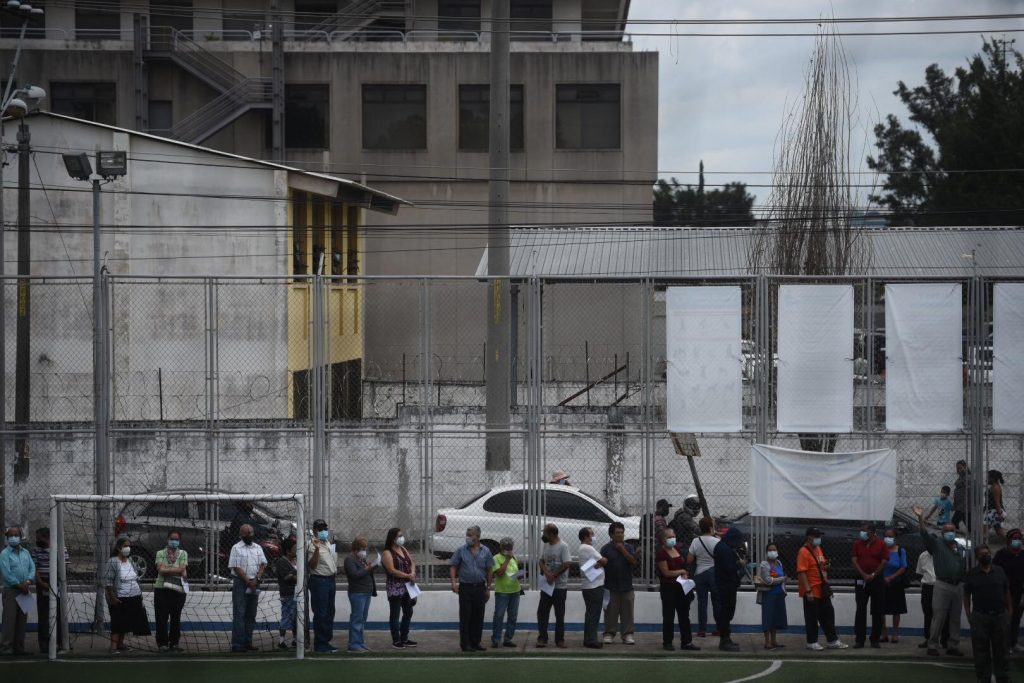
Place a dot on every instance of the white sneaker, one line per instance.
(837, 645)
(628, 639)
(814, 646)
(608, 639)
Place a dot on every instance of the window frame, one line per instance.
(95, 16)
(583, 148)
(405, 87)
(54, 97)
(290, 91)
(513, 88)
(465, 23)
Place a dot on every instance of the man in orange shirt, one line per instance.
(812, 573)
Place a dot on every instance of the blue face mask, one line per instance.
(173, 543)
(1015, 544)
(949, 535)
(817, 540)
(864, 535)
(14, 541)
(889, 540)
(323, 535)
(671, 542)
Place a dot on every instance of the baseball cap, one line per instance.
(663, 503)
(813, 531)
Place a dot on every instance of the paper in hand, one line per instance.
(587, 565)
(593, 573)
(546, 586)
(413, 590)
(607, 599)
(687, 584)
(184, 586)
(25, 601)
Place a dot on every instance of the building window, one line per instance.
(530, 19)
(160, 115)
(587, 116)
(95, 23)
(313, 14)
(458, 15)
(474, 118)
(90, 101)
(394, 117)
(306, 111)
(176, 14)
(10, 23)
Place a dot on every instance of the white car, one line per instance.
(500, 512)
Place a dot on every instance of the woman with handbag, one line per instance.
(124, 597)
(771, 595)
(896, 576)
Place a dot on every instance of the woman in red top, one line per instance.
(675, 601)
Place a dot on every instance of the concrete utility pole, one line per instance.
(498, 299)
(22, 384)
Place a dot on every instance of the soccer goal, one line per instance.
(105, 580)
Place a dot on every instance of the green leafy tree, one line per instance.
(676, 204)
(954, 168)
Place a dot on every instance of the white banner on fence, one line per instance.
(815, 391)
(789, 483)
(705, 375)
(923, 358)
(1008, 357)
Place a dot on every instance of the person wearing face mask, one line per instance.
(400, 569)
(322, 561)
(19, 572)
(124, 597)
(675, 602)
(169, 591)
(247, 562)
(471, 570)
(948, 560)
(944, 506)
(361, 589)
(926, 569)
(960, 495)
(506, 595)
(554, 566)
(895, 574)
(560, 477)
(812, 574)
(286, 570)
(1011, 560)
(773, 597)
(729, 572)
(870, 554)
(987, 606)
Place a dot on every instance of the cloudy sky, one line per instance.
(722, 99)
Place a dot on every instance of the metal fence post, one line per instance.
(317, 396)
(426, 438)
(212, 388)
(976, 414)
(535, 480)
(647, 418)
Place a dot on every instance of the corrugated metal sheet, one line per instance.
(694, 252)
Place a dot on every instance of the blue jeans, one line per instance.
(706, 586)
(243, 614)
(505, 603)
(321, 599)
(359, 604)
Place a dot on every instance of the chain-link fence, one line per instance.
(369, 396)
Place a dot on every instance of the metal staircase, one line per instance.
(238, 93)
(353, 18)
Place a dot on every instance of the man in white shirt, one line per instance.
(247, 562)
(593, 591)
(702, 551)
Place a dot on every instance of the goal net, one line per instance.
(123, 583)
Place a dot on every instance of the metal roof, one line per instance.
(609, 252)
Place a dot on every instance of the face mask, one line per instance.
(323, 535)
(773, 554)
(864, 535)
(14, 541)
(247, 540)
(126, 551)
(543, 538)
(470, 541)
(173, 544)
(816, 541)
(361, 554)
(43, 544)
(671, 542)
(949, 535)
(1015, 544)
(943, 496)
(985, 560)
(889, 540)
(400, 540)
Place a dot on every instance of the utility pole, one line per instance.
(22, 383)
(498, 297)
(277, 82)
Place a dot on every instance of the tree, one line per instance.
(975, 122)
(676, 204)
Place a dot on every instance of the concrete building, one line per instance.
(263, 221)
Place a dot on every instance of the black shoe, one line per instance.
(593, 646)
(859, 646)
(932, 652)
(954, 652)
(468, 649)
(877, 646)
(923, 645)
(479, 648)
(495, 645)
(409, 643)
(508, 643)
(251, 648)
(728, 646)
(668, 646)
(690, 646)
(398, 646)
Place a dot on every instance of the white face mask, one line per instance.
(400, 540)
(361, 554)
(126, 551)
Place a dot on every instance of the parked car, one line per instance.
(500, 512)
(838, 538)
(147, 525)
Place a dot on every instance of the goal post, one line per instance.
(209, 607)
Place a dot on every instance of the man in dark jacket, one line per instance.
(1011, 560)
(729, 554)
